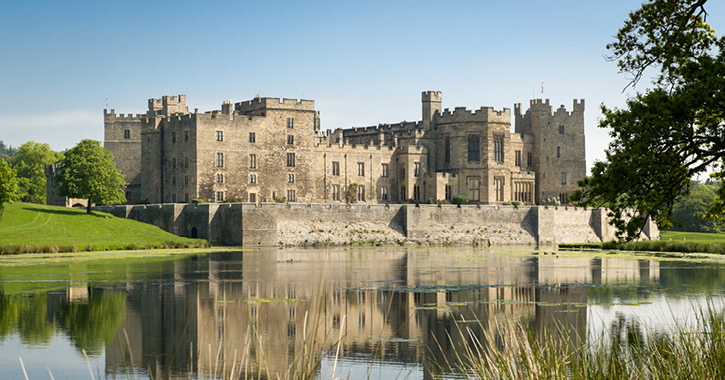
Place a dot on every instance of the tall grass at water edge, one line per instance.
(622, 353)
(667, 246)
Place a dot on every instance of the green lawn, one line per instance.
(695, 237)
(67, 229)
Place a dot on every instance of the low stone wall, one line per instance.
(270, 224)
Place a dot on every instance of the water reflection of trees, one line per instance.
(89, 323)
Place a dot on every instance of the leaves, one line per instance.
(668, 134)
(30, 167)
(88, 172)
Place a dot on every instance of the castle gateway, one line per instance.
(268, 149)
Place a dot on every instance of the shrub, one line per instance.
(431, 201)
(351, 193)
(280, 199)
(198, 200)
(460, 199)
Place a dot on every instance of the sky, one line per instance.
(364, 63)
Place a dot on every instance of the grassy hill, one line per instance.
(32, 228)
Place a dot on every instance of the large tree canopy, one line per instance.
(88, 172)
(8, 185)
(669, 133)
(30, 167)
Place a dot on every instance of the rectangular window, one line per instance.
(361, 168)
(558, 152)
(290, 139)
(561, 129)
(518, 158)
(252, 178)
(498, 188)
(186, 162)
(253, 197)
(403, 193)
(291, 196)
(416, 193)
(447, 148)
(186, 136)
(173, 198)
(474, 189)
(384, 170)
(290, 122)
(252, 137)
(335, 192)
(219, 196)
(173, 137)
(361, 193)
(220, 160)
(564, 198)
(290, 178)
(335, 168)
(186, 197)
(290, 160)
(523, 191)
(402, 170)
(474, 148)
(219, 136)
(498, 147)
(528, 158)
(252, 161)
(220, 178)
(384, 194)
(563, 178)
(416, 169)
(173, 163)
(173, 181)
(127, 134)
(186, 180)
(449, 193)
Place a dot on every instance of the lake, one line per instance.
(398, 311)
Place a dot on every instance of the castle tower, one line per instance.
(431, 106)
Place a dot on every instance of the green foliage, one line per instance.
(7, 152)
(280, 199)
(431, 201)
(30, 167)
(196, 201)
(668, 134)
(689, 210)
(351, 193)
(550, 201)
(8, 186)
(460, 199)
(88, 172)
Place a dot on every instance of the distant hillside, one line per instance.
(27, 228)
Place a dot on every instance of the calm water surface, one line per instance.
(397, 309)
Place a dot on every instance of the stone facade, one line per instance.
(267, 148)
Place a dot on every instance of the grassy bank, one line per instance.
(672, 241)
(31, 228)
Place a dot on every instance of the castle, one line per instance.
(268, 148)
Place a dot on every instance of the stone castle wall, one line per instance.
(274, 224)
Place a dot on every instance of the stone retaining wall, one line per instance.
(270, 224)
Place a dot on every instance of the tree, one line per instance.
(669, 133)
(30, 167)
(88, 172)
(8, 186)
(689, 210)
(351, 193)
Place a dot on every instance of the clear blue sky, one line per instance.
(363, 62)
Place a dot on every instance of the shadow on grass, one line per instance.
(68, 211)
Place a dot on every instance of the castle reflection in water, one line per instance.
(395, 305)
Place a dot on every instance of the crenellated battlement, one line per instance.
(274, 103)
(113, 117)
(482, 115)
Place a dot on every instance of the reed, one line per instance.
(512, 351)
